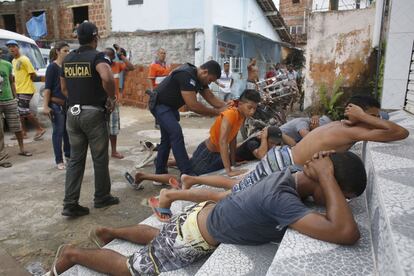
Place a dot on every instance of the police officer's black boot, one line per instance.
(111, 200)
(75, 211)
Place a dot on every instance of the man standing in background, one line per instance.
(158, 70)
(226, 81)
(114, 119)
(8, 102)
(24, 74)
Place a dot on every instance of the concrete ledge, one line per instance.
(301, 255)
(230, 259)
(384, 213)
(390, 200)
(123, 247)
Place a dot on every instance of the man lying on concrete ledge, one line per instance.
(258, 215)
(362, 124)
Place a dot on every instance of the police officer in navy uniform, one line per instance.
(179, 88)
(89, 85)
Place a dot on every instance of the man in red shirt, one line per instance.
(158, 70)
(114, 120)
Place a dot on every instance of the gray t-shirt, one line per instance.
(293, 127)
(259, 214)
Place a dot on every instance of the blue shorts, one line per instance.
(205, 161)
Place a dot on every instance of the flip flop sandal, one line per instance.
(95, 239)
(131, 181)
(158, 211)
(6, 165)
(174, 183)
(25, 153)
(147, 160)
(38, 136)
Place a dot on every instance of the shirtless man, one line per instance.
(338, 136)
(252, 75)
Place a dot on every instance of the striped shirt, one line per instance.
(276, 159)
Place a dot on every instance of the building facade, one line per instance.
(61, 16)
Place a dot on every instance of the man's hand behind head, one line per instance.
(320, 166)
(354, 114)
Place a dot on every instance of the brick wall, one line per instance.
(294, 15)
(179, 45)
(135, 85)
(10, 8)
(58, 13)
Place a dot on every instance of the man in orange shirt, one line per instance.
(219, 150)
(114, 120)
(158, 70)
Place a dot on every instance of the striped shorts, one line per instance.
(276, 159)
(114, 122)
(9, 109)
(23, 103)
(178, 245)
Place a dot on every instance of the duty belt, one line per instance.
(77, 108)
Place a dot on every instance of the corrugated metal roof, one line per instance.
(273, 15)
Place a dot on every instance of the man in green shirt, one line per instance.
(8, 102)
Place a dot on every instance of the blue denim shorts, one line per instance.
(205, 161)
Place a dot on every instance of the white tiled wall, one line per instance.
(398, 53)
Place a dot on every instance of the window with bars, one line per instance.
(296, 30)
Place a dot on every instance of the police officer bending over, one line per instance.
(88, 83)
(179, 88)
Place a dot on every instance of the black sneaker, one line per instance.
(75, 211)
(112, 200)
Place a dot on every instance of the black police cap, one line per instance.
(86, 32)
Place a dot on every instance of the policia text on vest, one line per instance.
(77, 70)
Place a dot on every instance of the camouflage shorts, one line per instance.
(178, 245)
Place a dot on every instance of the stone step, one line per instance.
(230, 259)
(301, 255)
(390, 200)
(123, 247)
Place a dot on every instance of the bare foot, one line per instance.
(139, 177)
(104, 234)
(117, 155)
(164, 201)
(187, 181)
(63, 261)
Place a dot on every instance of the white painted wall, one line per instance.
(187, 14)
(398, 53)
(339, 44)
(157, 15)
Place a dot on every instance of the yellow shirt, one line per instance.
(22, 68)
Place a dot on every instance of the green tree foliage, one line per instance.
(330, 103)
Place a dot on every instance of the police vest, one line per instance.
(170, 94)
(83, 82)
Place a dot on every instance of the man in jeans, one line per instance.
(88, 83)
(179, 88)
